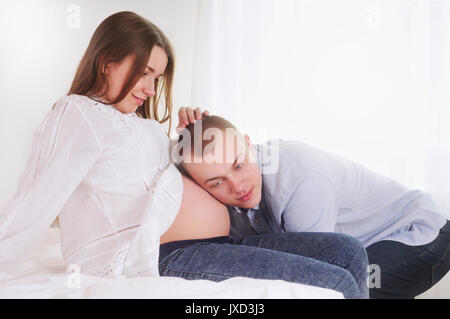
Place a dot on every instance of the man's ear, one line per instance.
(249, 149)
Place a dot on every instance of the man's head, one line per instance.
(222, 161)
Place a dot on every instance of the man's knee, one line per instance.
(352, 252)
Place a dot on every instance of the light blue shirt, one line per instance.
(315, 191)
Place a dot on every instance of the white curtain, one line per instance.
(368, 80)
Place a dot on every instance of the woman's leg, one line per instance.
(407, 271)
(217, 262)
(333, 248)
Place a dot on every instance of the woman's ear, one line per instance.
(106, 69)
(107, 66)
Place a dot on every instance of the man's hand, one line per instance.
(187, 115)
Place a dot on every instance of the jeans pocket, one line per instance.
(172, 257)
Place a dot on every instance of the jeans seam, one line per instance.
(351, 263)
(393, 268)
(438, 262)
(193, 273)
(347, 286)
(172, 254)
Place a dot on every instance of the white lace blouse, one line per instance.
(109, 178)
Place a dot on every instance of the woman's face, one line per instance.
(116, 74)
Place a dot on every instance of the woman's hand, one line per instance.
(187, 115)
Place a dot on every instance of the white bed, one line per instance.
(46, 276)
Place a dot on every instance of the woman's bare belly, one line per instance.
(200, 216)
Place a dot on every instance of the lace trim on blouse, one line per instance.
(137, 136)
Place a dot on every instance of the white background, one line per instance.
(365, 79)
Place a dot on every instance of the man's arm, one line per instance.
(312, 207)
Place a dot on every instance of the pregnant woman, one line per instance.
(101, 163)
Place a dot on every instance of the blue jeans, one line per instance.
(327, 260)
(407, 271)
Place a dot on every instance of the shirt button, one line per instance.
(256, 220)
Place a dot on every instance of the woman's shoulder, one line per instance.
(84, 103)
(89, 108)
(79, 99)
(83, 110)
(80, 102)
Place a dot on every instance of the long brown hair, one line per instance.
(118, 36)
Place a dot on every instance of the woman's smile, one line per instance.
(139, 101)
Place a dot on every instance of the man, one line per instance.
(314, 191)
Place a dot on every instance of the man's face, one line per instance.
(233, 177)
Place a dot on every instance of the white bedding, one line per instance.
(45, 276)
